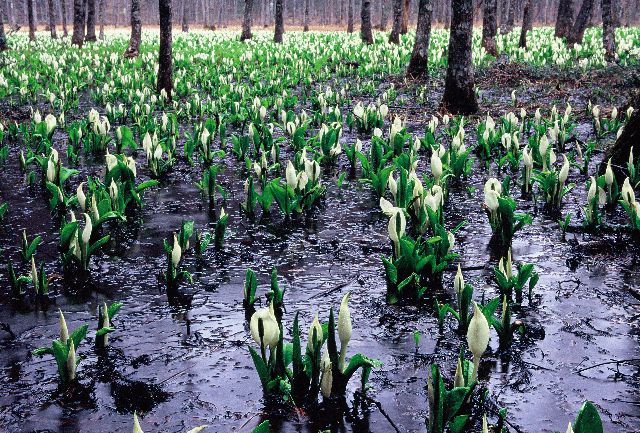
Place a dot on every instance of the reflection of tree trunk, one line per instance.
(394, 36)
(277, 37)
(136, 30)
(582, 21)
(246, 20)
(32, 25)
(419, 63)
(63, 6)
(608, 31)
(459, 96)
(406, 8)
(52, 20)
(78, 23)
(490, 27)
(91, 21)
(165, 64)
(365, 29)
(564, 22)
(630, 137)
(527, 23)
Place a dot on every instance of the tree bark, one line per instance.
(185, 15)
(527, 23)
(165, 63)
(306, 15)
(630, 137)
(78, 23)
(383, 15)
(459, 96)
(365, 28)
(52, 19)
(608, 31)
(136, 31)
(63, 12)
(394, 36)
(582, 21)
(511, 17)
(350, 17)
(91, 21)
(101, 18)
(564, 21)
(490, 27)
(32, 25)
(419, 63)
(3, 36)
(406, 7)
(277, 37)
(246, 20)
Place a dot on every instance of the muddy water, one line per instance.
(184, 362)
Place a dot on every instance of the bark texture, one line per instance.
(582, 21)
(136, 31)
(490, 26)
(165, 62)
(564, 21)
(630, 137)
(527, 23)
(511, 17)
(350, 17)
(91, 21)
(52, 19)
(459, 96)
(185, 15)
(277, 37)
(63, 12)
(3, 36)
(394, 36)
(306, 15)
(246, 20)
(365, 28)
(419, 63)
(32, 24)
(608, 31)
(406, 7)
(101, 18)
(78, 23)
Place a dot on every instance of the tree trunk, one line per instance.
(527, 23)
(246, 20)
(3, 36)
(78, 23)
(404, 29)
(306, 15)
(277, 37)
(383, 15)
(101, 18)
(419, 63)
(91, 21)
(630, 137)
(459, 96)
(582, 21)
(185, 15)
(394, 36)
(52, 20)
(511, 17)
(350, 17)
(136, 31)
(564, 21)
(32, 25)
(365, 28)
(608, 31)
(63, 12)
(165, 64)
(490, 27)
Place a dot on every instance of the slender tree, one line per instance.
(365, 28)
(527, 23)
(350, 17)
(279, 17)
(78, 23)
(165, 63)
(406, 8)
(306, 15)
(419, 63)
(608, 31)
(3, 37)
(490, 27)
(246, 20)
(394, 36)
(459, 96)
(564, 21)
(63, 12)
(101, 18)
(511, 17)
(91, 21)
(185, 15)
(136, 30)
(52, 19)
(582, 21)
(32, 24)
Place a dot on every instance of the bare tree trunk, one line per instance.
(136, 30)
(91, 21)
(185, 15)
(383, 15)
(101, 18)
(78, 23)
(394, 36)
(459, 96)
(32, 25)
(277, 37)
(564, 22)
(365, 28)
(582, 21)
(511, 17)
(419, 63)
(306, 15)
(246, 21)
(608, 31)
(490, 27)
(404, 29)
(3, 36)
(165, 64)
(527, 23)
(350, 17)
(52, 20)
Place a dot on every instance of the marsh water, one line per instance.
(184, 361)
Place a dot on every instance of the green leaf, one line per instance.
(262, 428)
(261, 368)
(588, 420)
